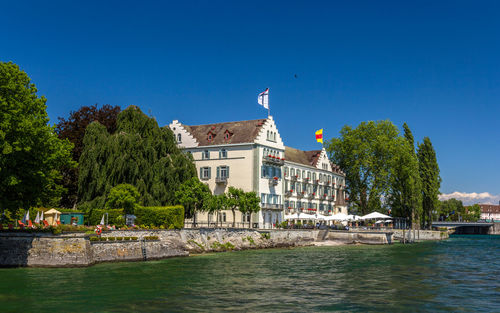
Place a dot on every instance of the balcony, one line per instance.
(274, 181)
(316, 182)
(271, 159)
(221, 180)
(306, 179)
(311, 195)
(294, 177)
(271, 206)
(300, 194)
(288, 193)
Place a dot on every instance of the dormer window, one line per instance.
(227, 135)
(210, 136)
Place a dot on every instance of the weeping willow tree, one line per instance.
(139, 153)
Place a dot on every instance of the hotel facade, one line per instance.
(251, 155)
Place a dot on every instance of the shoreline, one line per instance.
(77, 250)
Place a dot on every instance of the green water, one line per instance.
(460, 274)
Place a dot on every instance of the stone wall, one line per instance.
(420, 235)
(47, 250)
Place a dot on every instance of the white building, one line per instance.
(251, 155)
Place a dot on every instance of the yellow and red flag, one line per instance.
(319, 135)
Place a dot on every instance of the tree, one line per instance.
(139, 153)
(472, 213)
(250, 203)
(450, 210)
(123, 196)
(365, 155)
(73, 129)
(31, 154)
(404, 196)
(431, 181)
(195, 196)
(405, 192)
(235, 200)
(215, 204)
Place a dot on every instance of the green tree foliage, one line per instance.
(215, 204)
(73, 129)
(365, 154)
(472, 213)
(123, 196)
(139, 153)
(113, 217)
(194, 196)
(404, 196)
(31, 154)
(450, 210)
(245, 202)
(431, 181)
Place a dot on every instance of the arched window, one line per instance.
(179, 138)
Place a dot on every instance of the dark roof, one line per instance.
(302, 157)
(239, 132)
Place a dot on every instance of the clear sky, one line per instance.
(432, 64)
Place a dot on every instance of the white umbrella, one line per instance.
(102, 220)
(304, 216)
(37, 219)
(379, 222)
(339, 217)
(293, 216)
(352, 217)
(388, 221)
(320, 217)
(374, 215)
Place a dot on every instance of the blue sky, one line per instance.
(432, 64)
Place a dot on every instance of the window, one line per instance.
(222, 217)
(286, 171)
(223, 171)
(245, 218)
(179, 138)
(292, 172)
(298, 174)
(205, 173)
(314, 176)
(222, 154)
(205, 155)
(274, 136)
(268, 137)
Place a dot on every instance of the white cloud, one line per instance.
(469, 198)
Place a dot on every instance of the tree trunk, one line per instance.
(234, 217)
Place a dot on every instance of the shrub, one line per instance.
(126, 238)
(102, 238)
(111, 238)
(94, 238)
(119, 238)
(133, 238)
(171, 217)
(151, 238)
(265, 235)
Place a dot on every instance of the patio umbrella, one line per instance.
(388, 221)
(353, 218)
(320, 217)
(374, 215)
(293, 216)
(339, 217)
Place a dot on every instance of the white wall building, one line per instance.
(251, 155)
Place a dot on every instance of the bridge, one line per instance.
(468, 227)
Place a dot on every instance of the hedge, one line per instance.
(115, 216)
(171, 217)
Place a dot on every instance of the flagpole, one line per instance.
(268, 107)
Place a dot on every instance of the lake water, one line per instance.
(460, 274)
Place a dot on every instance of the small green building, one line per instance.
(70, 217)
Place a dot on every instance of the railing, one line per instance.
(316, 182)
(288, 193)
(311, 195)
(221, 180)
(271, 206)
(294, 177)
(274, 181)
(300, 194)
(273, 160)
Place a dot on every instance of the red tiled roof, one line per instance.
(239, 132)
(490, 208)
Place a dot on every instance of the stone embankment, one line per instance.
(76, 249)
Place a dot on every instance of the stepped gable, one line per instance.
(309, 158)
(226, 133)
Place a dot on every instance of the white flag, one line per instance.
(102, 220)
(41, 217)
(263, 98)
(37, 219)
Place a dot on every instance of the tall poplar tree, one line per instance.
(31, 154)
(431, 181)
(405, 195)
(139, 153)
